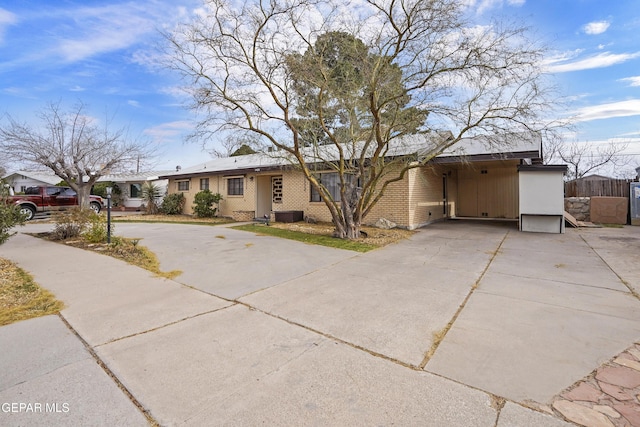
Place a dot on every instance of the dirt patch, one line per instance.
(374, 236)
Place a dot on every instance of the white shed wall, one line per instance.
(541, 201)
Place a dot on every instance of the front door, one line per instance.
(263, 196)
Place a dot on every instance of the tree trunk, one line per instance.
(349, 226)
(83, 195)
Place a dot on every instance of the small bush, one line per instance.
(10, 215)
(96, 229)
(203, 202)
(100, 189)
(173, 204)
(151, 193)
(70, 223)
(77, 222)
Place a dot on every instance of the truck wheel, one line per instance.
(95, 206)
(27, 211)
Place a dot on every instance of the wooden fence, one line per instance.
(610, 188)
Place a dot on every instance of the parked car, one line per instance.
(51, 199)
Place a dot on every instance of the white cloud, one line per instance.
(601, 60)
(633, 81)
(484, 5)
(84, 32)
(597, 27)
(77, 88)
(133, 103)
(607, 111)
(169, 131)
(6, 18)
(104, 29)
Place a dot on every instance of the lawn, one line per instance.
(322, 234)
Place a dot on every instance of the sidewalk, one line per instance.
(343, 340)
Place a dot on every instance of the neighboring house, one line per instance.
(130, 185)
(472, 180)
(594, 177)
(19, 181)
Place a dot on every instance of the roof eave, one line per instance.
(533, 155)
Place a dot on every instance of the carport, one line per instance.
(480, 184)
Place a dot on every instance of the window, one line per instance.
(51, 191)
(135, 191)
(331, 181)
(23, 188)
(235, 186)
(204, 184)
(183, 185)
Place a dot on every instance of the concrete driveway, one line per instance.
(262, 330)
(229, 263)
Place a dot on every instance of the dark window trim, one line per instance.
(235, 190)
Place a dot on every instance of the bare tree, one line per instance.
(343, 87)
(584, 158)
(72, 145)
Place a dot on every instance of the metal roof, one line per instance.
(481, 147)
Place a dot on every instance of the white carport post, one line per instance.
(541, 198)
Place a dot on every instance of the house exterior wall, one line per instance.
(217, 184)
(296, 195)
(407, 202)
(19, 183)
(426, 195)
(137, 202)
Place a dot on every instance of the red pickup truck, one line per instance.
(50, 199)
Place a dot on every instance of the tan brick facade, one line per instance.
(415, 201)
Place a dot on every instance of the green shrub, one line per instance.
(76, 222)
(203, 204)
(150, 194)
(10, 215)
(70, 223)
(173, 204)
(100, 189)
(96, 229)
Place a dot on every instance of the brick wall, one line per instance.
(217, 184)
(394, 204)
(425, 195)
(405, 202)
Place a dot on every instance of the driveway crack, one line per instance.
(439, 336)
(109, 372)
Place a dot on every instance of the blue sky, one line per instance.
(103, 53)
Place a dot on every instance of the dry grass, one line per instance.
(126, 249)
(375, 236)
(182, 219)
(21, 298)
(129, 251)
